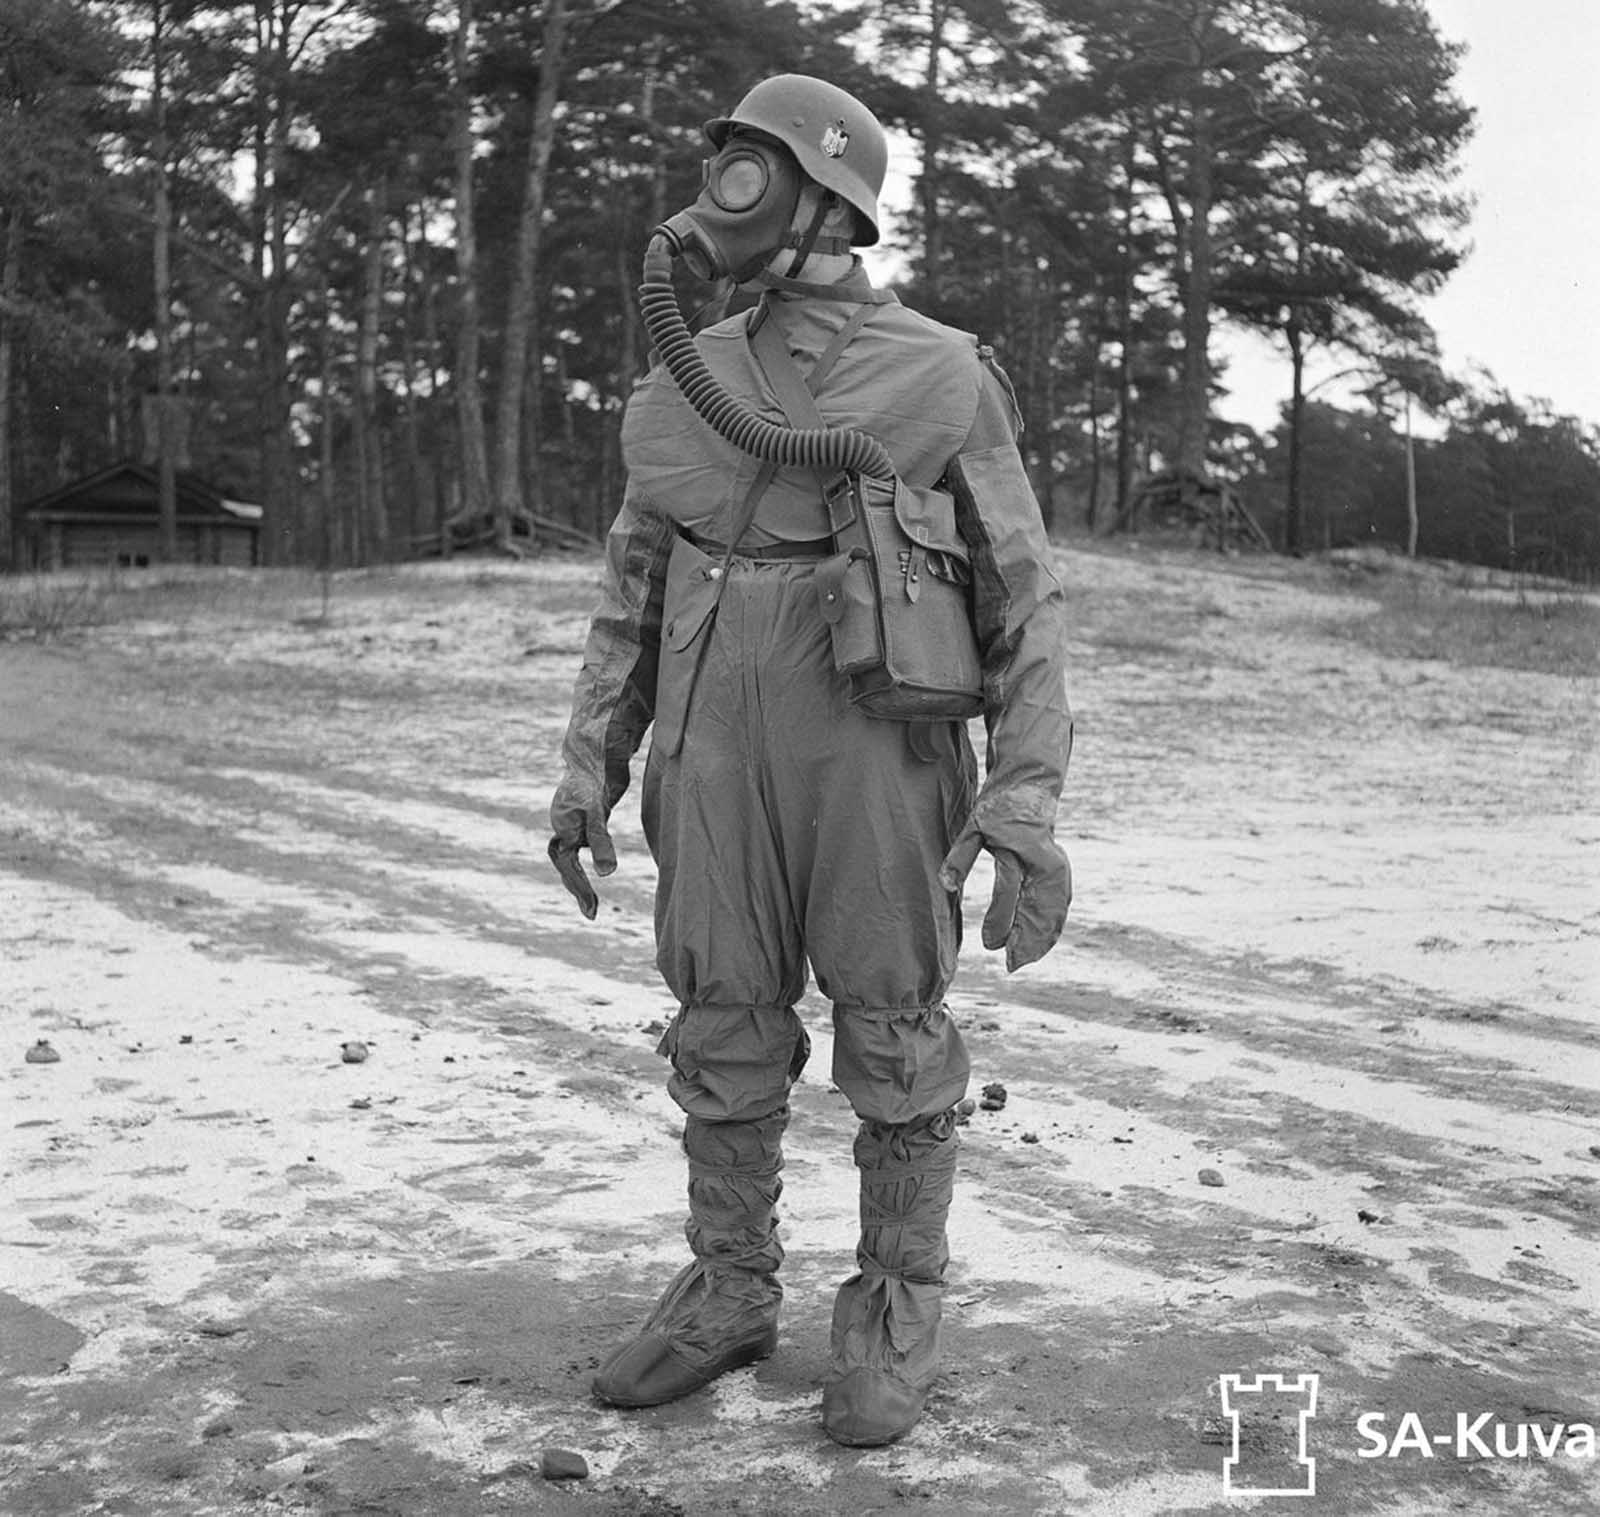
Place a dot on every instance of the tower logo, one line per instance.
(1270, 1416)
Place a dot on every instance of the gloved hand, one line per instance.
(1032, 885)
(578, 820)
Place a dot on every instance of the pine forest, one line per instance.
(372, 263)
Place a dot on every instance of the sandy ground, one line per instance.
(1334, 942)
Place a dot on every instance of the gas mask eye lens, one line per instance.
(738, 182)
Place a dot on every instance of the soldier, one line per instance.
(789, 826)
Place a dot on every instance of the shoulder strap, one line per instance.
(797, 395)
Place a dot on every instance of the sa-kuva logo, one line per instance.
(1263, 1464)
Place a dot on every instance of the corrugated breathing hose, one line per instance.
(824, 450)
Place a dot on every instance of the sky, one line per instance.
(1525, 305)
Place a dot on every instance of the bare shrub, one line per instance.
(42, 606)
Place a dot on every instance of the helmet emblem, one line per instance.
(835, 140)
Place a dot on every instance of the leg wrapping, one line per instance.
(721, 1309)
(885, 1340)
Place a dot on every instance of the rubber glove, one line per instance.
(578, 820)
(1032, 885)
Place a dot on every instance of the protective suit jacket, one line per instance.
(787, 826)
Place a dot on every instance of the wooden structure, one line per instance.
(1209, 509)
(112, 520)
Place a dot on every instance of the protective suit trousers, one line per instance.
(789, 829)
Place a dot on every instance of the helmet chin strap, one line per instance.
(835, 245)
(807, 242)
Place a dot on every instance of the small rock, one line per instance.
(295, 1466)
(1211, 1177)
(172, 1466)
(187, 1037)
(563, 1464)
(1363, 1215)
(1594, 1150)
(966, 1107)
(42, 1053)
(353, 1052)
(1030, 1137)
(994, 1098)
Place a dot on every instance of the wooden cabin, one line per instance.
(111, 520)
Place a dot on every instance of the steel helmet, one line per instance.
(836, 139)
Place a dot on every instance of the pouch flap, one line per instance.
(928, 518)
(693, 585)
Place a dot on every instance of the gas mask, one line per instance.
(743, 213)
(787, 132)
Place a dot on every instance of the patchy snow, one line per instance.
(1337, 938)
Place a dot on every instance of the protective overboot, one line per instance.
(885, 1349)
(721, 1311)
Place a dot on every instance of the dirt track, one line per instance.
(1334, 941)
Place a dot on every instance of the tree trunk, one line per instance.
(1048, 425)
(276, 300)
(1125, 339)
(10, 280)
(433, 346)
(270, 260)
(370, 505)
(325, 463)
(928, 184)
(1411, 486)
(166, 471)
(1096, 432)
(1195, 384)
(410, 427)
(522, 302)
(469, 390)
(627, 277)
(1292, 508)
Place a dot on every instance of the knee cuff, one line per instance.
(734, 1063)
(896, 1066)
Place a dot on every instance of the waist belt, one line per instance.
(812, 548)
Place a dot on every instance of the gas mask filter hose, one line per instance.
(825, 450)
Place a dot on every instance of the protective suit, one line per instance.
(795, 834)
